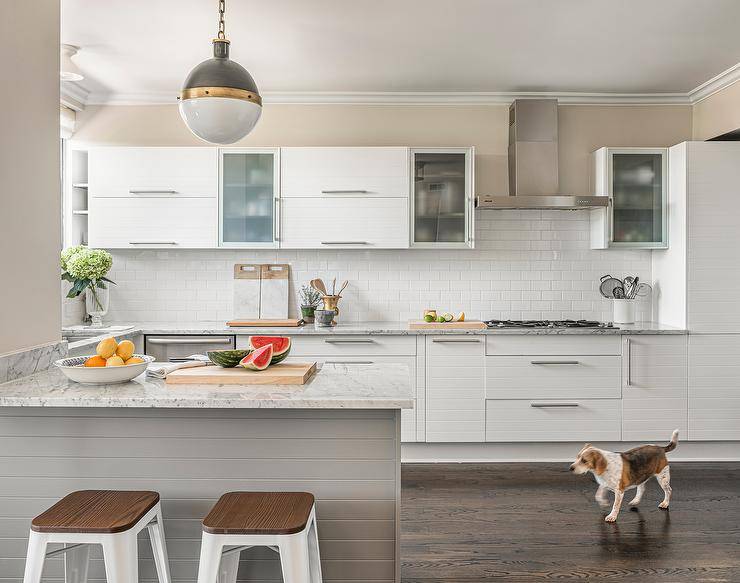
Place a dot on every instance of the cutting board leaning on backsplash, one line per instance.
(261, 291)
(247, 278)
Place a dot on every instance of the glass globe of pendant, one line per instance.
(219, 101)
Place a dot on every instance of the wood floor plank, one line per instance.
(536, 522)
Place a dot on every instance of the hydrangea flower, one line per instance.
(69, 252)
(92, 264)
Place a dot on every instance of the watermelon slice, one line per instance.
(258, 359)
(280, 346)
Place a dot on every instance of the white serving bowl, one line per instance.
(74, 370)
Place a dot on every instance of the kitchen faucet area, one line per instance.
(361, 292)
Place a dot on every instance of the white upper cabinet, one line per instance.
(636, 182)
(442, 200)
(249, 187)
(153, 172)
(341, 172)
(345, 223)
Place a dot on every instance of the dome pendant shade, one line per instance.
(219, 101)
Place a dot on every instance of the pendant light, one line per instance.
(219, 101)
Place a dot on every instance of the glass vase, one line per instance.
(97, 300)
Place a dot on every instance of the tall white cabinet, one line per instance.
(699, 280)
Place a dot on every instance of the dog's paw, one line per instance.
(611, 518)
(663, 505)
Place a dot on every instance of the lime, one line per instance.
(429, 318)
(440, 319)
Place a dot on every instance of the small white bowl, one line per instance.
(74, 370)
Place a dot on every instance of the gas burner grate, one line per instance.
(548, 324)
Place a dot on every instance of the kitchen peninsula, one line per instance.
(338, 437)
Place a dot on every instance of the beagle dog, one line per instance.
(620, 472)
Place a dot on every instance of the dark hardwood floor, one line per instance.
(537, 522)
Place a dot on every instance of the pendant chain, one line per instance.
(221, 23)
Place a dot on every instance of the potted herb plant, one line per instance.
(86, 270)
(310, 300)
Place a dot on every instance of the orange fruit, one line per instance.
(107, 347)
(114, 361)
(95, 361)
(125, 349)
(134, 360)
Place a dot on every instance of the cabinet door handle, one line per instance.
(350, 341)
(152, 191)
(552, 405)
(554, 362)
(344, 192)
(348, 362)
(277, 219)
(344, 243)
(628, 343)
(456, 340)
(152, 242)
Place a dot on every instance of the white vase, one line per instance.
(97, 301)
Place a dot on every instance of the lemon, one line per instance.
(114, 361)
(107, 347)
(460, 317)
(134, 360)
(125, 349)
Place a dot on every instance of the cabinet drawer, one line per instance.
(552, 344)
(348, 345)
(153, 172)
(160, 223)
(537, 377)
(345, 223)
(333, 172)
(550, 420)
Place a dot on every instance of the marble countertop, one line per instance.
(334, 386)
(374, 328)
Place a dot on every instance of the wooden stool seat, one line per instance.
(276, 513)
(96, 511)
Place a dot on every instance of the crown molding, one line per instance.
(717, 83)
(73, 96)
(410, 98)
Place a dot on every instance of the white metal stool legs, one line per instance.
(120, 552)
(210, 558)
(294, 558)
(227, 572)
(35, 557)
(76, 563)
(313, 549)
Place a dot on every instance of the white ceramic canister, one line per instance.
(624, 311)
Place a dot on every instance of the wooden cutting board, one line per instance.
(288, 322)
(466, 325)
(285, 373)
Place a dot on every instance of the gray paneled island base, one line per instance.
(338, 437)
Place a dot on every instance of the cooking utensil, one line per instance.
(609, 284)
(318, 285)
(344, 285)
(642, 290)
(629, 284)
(334, 287)
(618, 293)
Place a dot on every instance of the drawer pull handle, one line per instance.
(348, 362)
(552, 405)
(188, 341)
(152, 242)
(456, 340)
(344, 192)
(353, 341)
(152, 191)
(344, 243)
(554, 362)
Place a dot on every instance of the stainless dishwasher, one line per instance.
(173, 348)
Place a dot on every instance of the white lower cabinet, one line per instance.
(516, 420)
(184, 223)
(362, 351)
(455, 388)
(714, 387)
(654, 387)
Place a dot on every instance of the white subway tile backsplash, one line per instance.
(527, 264)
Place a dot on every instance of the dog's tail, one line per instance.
(674, 442)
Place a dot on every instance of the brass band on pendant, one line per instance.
(230, 92)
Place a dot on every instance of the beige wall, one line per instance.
(29, 175)
(717, 114)
(582, 130)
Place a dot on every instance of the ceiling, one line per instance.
(143, 49)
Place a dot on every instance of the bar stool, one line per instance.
(285, 522)
(111, 518)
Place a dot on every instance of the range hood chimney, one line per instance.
(533, 162)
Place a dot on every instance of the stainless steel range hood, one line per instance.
(533, 162)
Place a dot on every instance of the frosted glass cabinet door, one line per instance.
(442, 197)
(248, 188)
(638, 190)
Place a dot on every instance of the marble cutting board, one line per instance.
(274, 291)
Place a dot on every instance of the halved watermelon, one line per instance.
(258, 359)
(280, 346)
